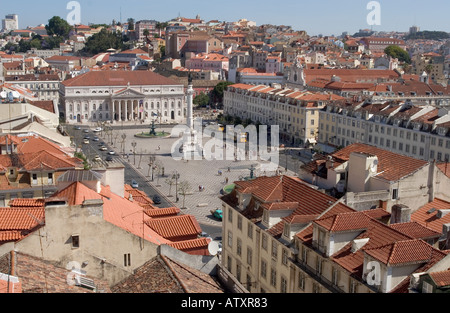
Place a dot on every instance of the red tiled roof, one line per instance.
(416, 230)
(344, 222)
(175, 227)
(163, 212)
(29, 203)
(441, 279)
(20, 219)
(118, 78)
(428, 217)
(401, 252)
(391, 166)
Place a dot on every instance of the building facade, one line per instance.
(121, 96)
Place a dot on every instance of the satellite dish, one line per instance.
(373, 167)
(3, 94)
(15, 94)
(213, 248)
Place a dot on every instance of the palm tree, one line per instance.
(146, 34)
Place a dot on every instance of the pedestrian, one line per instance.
(229, 170)
(226, 180)
(199, 188)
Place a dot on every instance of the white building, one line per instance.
(10, 22)
(117, 96)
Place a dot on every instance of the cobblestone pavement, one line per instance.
(196, 172)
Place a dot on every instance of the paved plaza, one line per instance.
(196, 173)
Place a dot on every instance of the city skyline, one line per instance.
(345, 16)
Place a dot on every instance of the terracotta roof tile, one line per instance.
(441, 279)
(175, 227)
(391, 166)
(118, 78)
(416, 230)
(428, 215)
(401, 252)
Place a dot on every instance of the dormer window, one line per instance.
(286, 230)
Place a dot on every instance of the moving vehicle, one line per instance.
(109, 158)
(103, 148)
(112, 152)
(97, 158)
(96, 138)
(77, 127)
(86, 131)
(86, 141)
(134, 184)
(98, 129)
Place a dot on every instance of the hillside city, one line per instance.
(355, 198)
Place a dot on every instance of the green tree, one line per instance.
(103, 41)
(146, 34)
(201, 100)
(130, 24)
(398, 53)
(219, 89)
(58, 27)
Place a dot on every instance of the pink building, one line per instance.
(273, 64)
(208, 62)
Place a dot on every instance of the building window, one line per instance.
(230, 215)
(263, 269)
(264, 242)
(249, 256)
(334, 276)
(34, 179)
(229, 262)
(273, 277)
(285, 256)
(50, 178)
(352, 286)
(250, 230)
(238, 272)
(304, 255)
(75, 241)
(127, 259)
(274, 249)
(301, 281)
(427, 288)
(230, 239)
(239, 222)
(283, 285)
(394, 194)
(239, 247)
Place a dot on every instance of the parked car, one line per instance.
(217, 213)
(103, 148)
(134, 184)
(86, 131)
(109, 158)
(97, 158)
(77, 127)
(96, 138)
(98, 129)
(156, 199)
(86, 141)
(112, 152)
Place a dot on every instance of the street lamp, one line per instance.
(176, 176)
(133, 144)
(124, 136)
(151, 160)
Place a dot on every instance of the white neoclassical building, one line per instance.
(122, 96)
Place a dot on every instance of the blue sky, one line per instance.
(315, 16)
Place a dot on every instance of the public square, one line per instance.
(197, 173)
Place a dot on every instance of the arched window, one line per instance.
(179, 104)
(100, 116)
(70, 107)
(152, 105)
(78, 107)
(94, 107)
(165, 105)
(172, 104)
(94, 116)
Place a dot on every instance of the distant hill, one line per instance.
(429, 35)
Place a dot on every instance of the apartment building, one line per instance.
(283, 236)
(44, 86)
(295, 112)
(415, 130)
(363, 175)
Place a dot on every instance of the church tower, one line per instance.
(295, 77)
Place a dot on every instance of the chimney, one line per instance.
(400, 214)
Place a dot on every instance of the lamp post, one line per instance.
(176, 176)
(150, 164)
(124, 136)
(133, 144)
